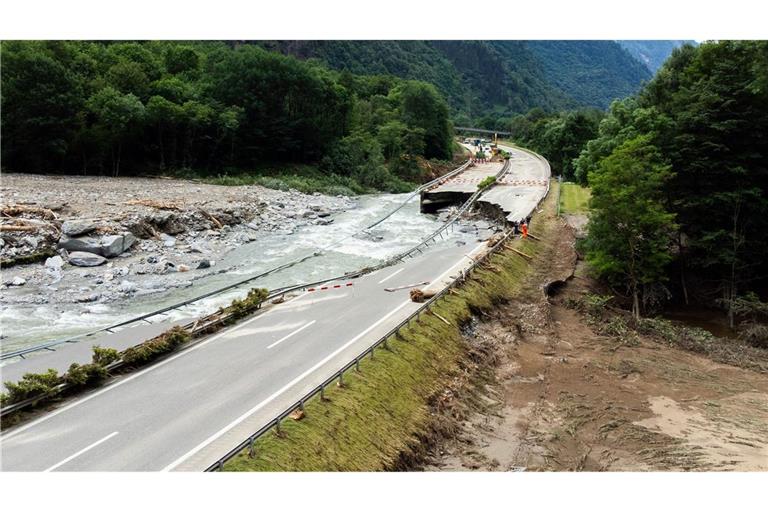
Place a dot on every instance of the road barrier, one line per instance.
(338, 376)
(210, 321)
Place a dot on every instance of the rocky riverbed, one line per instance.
(112, 238)
(190, 239)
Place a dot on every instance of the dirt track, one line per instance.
(563, 398)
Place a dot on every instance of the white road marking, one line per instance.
(390, 276)
(289, 335)
(139, 374)
(280, 391)
(89, 447)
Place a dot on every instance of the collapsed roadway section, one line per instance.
(522, 181)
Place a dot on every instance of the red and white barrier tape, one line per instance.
(329, 287)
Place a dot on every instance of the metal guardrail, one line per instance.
(110, 328)
(338, 376)
(210, 320)
(355, 363)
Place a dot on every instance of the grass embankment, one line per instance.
(379, 414)
(574, 198)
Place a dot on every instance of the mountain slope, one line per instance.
(499, 77)
(652, 53)
(592, 73)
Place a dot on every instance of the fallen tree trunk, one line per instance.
(18, 228)
(420, 295)
(16, 210)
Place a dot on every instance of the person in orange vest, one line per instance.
(524, 228)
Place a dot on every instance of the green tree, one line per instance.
(629, 228)
(422, 107)
(116, 115)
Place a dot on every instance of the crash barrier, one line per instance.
(194, 328)
(338, 376)
(145, 317)
(202, 325)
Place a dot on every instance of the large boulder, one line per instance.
(77, 227)
(108, 246)
(115, 245)
(86, 259)
(84, 244)
(54, 262)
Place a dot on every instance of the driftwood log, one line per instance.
(418, 295)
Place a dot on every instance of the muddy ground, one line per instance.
(562, 397)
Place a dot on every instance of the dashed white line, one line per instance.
(289, 335)
(282, 390)
(73, 456)
(393, 274)
(135, 376)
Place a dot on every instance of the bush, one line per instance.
(32, 385)
(86, 374)
(243, 307)
(270, 182)
(756, 334)
(595, 304)
(149, 350)
(104, 356)
(486, 182)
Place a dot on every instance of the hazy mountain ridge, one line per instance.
(652, 53)
(503, 77)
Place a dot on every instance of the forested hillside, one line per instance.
(592, 73)
(208, 108)
(652, 53)
(492, 78)
(680, 184)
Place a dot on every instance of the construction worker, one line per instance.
(524, 228)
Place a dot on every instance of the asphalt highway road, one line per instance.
(522, 187)
(186, 411)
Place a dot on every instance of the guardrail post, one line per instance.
(277, 427)
(357, 364)
(251, 452)
(322, 392)
(341, 379)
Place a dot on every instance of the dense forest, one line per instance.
(679, 177)
(157, 107)
(492, 79)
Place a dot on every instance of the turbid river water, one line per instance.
(25, 325)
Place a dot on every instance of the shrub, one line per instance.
(596, 304)
(86, 374)
(756, 334)
(104, 356)
(149, 350)
(32, 385)
(177, 336)
(487, 182)
(270, 182)
(242, 307)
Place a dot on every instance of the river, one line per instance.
(25, 325)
